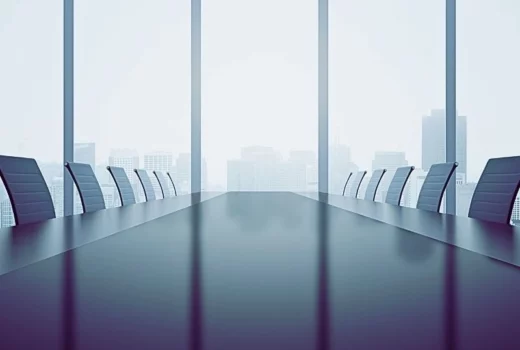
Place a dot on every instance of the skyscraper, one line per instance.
(389, 160)
(264, 169)
(515, 217)
(159, 161)
(127, 159)
(6, 213)
(434, 140)
(85, 153)
(56, 190)
(182, 173)
(340, 166)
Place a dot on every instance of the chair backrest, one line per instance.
(88, 186)
(126, 192)
(173, 183)
(430, 197)
(149, 192)
(357, 182)
(163, 183)
(29, 195)
(346, 182)
(495, 194)
(373, 184)
(396, 188)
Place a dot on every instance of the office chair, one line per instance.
(396, 188)
(430, 197)
(149, 192)
(126, 192)
(373, 184)
(29, 195)
(357, 182)
(496, 190)
(87, 185)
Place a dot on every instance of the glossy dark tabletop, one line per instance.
(262, 271)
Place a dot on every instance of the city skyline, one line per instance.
(254, 87)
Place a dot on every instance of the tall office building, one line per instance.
(340, 166)
(181, 173)
(264, 169)
(464, 196)
(159, 161)
(515, 217)
(85, 153)
(6, 213)
(434, 140)
(56, 190)
(310, 163)
(127, 159)
(389, 160)
(110, 195)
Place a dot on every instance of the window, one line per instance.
(259, 95)
(487, 77)
(132, 67)
(387, 82)
(31, 86)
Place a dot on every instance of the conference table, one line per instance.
(263, 270)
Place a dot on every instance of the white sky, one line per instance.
(259, 76)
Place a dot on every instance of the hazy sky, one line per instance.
(259, 76)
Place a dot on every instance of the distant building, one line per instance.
(264, 169)
(126, 159)
(464, 196)
(110, 195)
(158, 161)
(340, 165)
(434, 140)
(515, 218)
(85, 153)
(416, 182)
(6, 213)
(181, 173)
(309, 161)
(56, 190)
(389, 160)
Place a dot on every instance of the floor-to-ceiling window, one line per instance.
(387, 90)
(488, 52)
(31, 90)
(132, 95)
(259, 95)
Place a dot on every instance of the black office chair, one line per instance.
(430, 197)
(396, 188)
(495, 194)
(29, 195)
(173, 183)
(149, 192)
(346, 182)
(88, 186)
(163, 183)
(373, 184)
(126, 192)
(357, 182)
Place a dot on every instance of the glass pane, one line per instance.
(487, 79)
(259, 95)
(387, 75)
(133, 89)
(31, 86)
